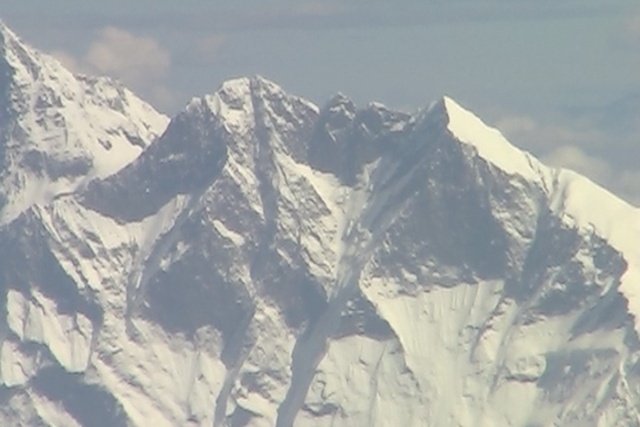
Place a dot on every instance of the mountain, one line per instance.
(268, 262)
(58, 130)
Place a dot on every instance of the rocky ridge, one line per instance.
(268, 262)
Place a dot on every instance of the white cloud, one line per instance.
(515, 125)
(624, 182)
(134, 59)
(67, 60)
(140, 62)
(567, 144)
(545, 135)
(572, 157)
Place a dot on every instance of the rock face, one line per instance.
(265, 262)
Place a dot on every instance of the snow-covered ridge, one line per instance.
(59, 130)
(573, 198)
(489, 142)
(570, 195)
(584, 204)
(265, 262)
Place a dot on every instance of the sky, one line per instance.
(560, 79)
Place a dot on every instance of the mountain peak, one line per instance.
(340, 105)
(490, 144)
(59, 130)
(337, 267)
(258, 80)
(6, 33)
(572, 196)
(17, 60)
(246, 86)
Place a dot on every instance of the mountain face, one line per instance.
(58, 131)
(266, 262)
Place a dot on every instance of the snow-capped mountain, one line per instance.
(266, 262)
(59, 130)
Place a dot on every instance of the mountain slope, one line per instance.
(59, 130)
(268, 262)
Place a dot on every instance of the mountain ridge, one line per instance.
(268, 262)
(60, 130)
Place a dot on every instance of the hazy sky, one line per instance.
(561, 79)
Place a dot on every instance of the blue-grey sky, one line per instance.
(560, 79)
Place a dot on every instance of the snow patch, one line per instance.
(37, 319)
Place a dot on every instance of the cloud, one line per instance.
(624, 182)
(549, 133)
(67, 60)
(140, 62)
(571, 144)
(134, 59)
(515, 125)
(572, 157)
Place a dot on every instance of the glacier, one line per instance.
(258, 260)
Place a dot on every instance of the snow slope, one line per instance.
(268, 262)
(59, 130)
(573, 197)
